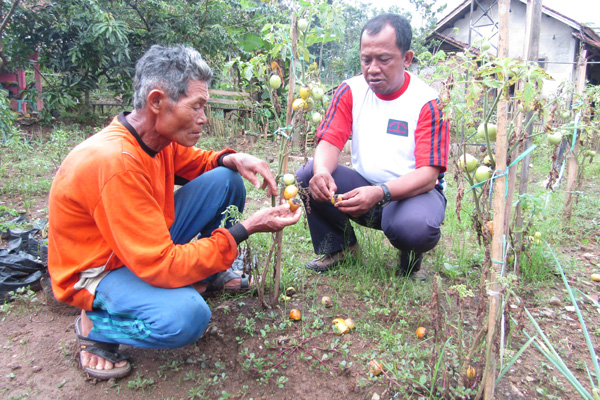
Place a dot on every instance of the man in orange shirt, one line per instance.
(119, 236)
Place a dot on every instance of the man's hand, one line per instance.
(322, 186)
(249, 166)
(271, 219)
(360, 200)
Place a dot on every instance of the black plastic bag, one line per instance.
(23, 263)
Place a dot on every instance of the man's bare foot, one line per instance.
(89, 360)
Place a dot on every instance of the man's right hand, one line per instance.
(271, 219)
(322, 186)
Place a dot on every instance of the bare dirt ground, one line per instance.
(39, 360)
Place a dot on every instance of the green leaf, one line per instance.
(528, 94)
(492, 83)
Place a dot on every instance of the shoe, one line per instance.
(329, 261)
(410, 266)
(419, 276)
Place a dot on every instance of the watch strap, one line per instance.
(387, 196)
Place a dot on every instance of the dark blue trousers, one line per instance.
(410, 224)
(129, 311)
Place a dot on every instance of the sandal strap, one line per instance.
(108, 351)
(222, 278)
(102, 351)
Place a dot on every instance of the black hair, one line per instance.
(398, 22)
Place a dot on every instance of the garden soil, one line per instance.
(39, 359)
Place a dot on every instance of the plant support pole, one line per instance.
(530, 53)
(572, 164)
(500, 201)
(284, 166)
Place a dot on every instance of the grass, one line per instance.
(387, 309)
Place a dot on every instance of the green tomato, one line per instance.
(554, 138)
(483, 173)
(316, 118)
(275, 82)
(492, 130)
(302, 24)
(317, 93)
(471, 162)
(289, 179)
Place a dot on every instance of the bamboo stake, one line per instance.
(572, 165)
(284, 166)
(530, 53)
(499, 207)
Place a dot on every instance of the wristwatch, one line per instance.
(387, 196)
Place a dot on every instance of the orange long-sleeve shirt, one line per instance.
(112, 204)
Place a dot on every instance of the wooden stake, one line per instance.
(284, 165)
(494, 287)
(530, 53)
(572, 164)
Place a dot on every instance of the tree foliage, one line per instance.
(84, 42)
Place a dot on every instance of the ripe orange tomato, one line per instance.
(375, 367)
(421, 332)
(294, 203)
(290, 191)
(295, 314)
(490, 226)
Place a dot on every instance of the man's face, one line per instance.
(182, 122)
(382, 62)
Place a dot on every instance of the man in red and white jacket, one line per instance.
(399, 154)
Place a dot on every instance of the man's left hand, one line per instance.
(360, 200)
(249, 166)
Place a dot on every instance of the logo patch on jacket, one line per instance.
(396, 127)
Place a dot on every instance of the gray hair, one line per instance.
(169, 69)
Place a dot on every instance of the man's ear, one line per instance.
(408, 57)
(156, 100)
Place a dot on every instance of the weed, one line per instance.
(24, 299)
(172, 366)
(248, 325)
(139, 382)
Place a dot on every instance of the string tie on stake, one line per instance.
(280, 131)
(498, 173)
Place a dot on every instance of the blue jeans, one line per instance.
(129, 311)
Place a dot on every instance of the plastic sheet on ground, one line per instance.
(24, 261)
